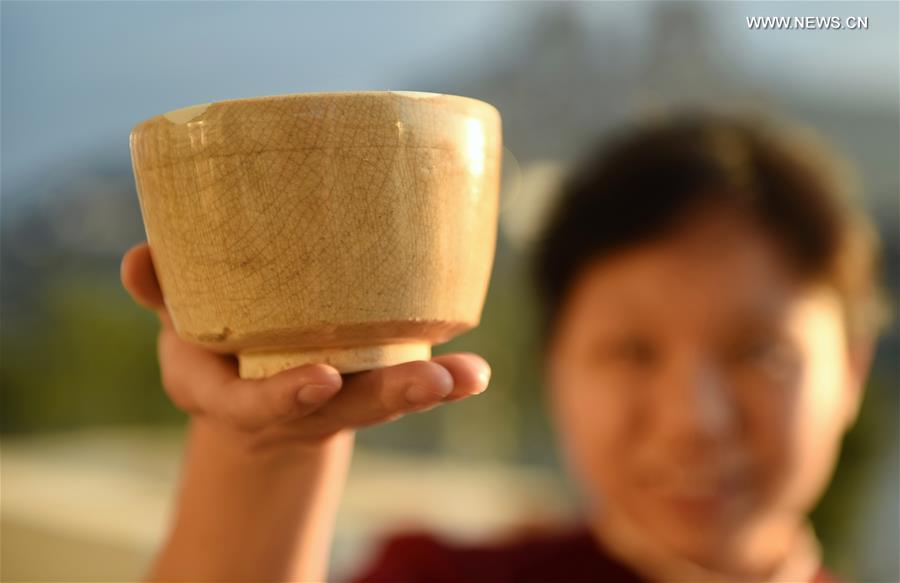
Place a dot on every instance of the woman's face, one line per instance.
(699, 389)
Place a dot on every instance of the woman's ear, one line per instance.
(860, 353)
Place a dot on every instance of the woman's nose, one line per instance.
(694, 403)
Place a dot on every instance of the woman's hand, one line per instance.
(306, 404)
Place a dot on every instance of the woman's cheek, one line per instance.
(771, 414)
(599, 411)
(809, 420)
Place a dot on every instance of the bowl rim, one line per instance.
(190, 112)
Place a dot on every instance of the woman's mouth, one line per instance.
(701, 500)
(700, 505)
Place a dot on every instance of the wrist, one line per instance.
(262, 448)
(264, 514)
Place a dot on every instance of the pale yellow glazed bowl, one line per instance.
(356, 229)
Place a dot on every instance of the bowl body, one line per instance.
(356, 229)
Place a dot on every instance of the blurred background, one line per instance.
(90, 444)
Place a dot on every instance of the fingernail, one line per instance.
(418, 394)
(334, 375)
(311, 394)
(484, 377)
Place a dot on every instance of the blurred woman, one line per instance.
(710, 307)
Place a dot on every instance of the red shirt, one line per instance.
(571, 557)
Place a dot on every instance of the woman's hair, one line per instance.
(643, 182)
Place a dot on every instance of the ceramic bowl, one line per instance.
(356, 229)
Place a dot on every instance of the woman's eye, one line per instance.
(631, 351)
(754, 351)
(772, 353)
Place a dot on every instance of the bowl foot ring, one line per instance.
(257, 365)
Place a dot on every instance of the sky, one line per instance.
(76, 76)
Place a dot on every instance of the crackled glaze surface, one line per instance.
(352, 228)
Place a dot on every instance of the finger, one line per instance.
(254, 403)
(383, 394)
(139, 277)
(207, 383)
(471, 374)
